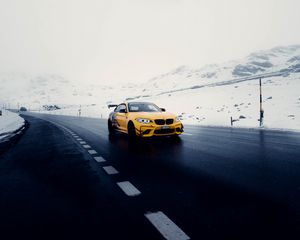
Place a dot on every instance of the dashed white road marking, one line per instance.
(99, 159)
(82, 142)
(92, 152)
(86, 146)
(129, 189)
(110, 170)
(166, 226)
(79, 139)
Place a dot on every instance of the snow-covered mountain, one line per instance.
(34, 91)
(276, 61)
(207, 95)
(54, 89)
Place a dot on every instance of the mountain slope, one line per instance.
(209, 95)
(276, 61)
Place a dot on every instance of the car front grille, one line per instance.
(169, 121)
(163, 121)
(160, 121)
(164, 131)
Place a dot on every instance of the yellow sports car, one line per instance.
(143, 119)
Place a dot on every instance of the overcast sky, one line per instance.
(117, 41)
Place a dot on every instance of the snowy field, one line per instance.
(9, 122)
(216, 105)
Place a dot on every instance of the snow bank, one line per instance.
(9, 122)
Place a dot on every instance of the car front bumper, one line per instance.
(159, 130)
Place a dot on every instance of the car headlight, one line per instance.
(143, 120)
(177, 119)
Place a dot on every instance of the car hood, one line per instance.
(152, 115)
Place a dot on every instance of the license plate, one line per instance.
(165, 127)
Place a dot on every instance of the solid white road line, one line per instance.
(187, 134)
(92, 152)
(99, 159)
(86, 146)
(82, 142)
(166, 227)
(129, 189)
(110, 170)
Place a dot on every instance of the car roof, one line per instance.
(139, 102)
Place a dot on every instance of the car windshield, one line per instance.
(143, 107)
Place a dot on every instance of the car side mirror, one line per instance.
(163, 109)
(123, 111)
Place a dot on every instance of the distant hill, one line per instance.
(208, 95)
(276, 61)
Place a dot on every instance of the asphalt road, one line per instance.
(212, 183)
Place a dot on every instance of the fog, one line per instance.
(119, 41)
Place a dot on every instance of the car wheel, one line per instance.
(131, 131)
(111, 129)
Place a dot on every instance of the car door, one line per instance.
(121, 117)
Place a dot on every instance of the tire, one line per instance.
(110, 127)
(131, 131)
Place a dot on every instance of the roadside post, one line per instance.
(261, 111)
(232, 121)
(79, 111)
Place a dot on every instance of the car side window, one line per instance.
(120, 108)
(117, 109)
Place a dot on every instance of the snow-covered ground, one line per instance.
(215, 105)
(9, 122)
(208, 95)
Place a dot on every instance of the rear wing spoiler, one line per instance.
(112, 105)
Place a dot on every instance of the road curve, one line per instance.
(212, 183)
